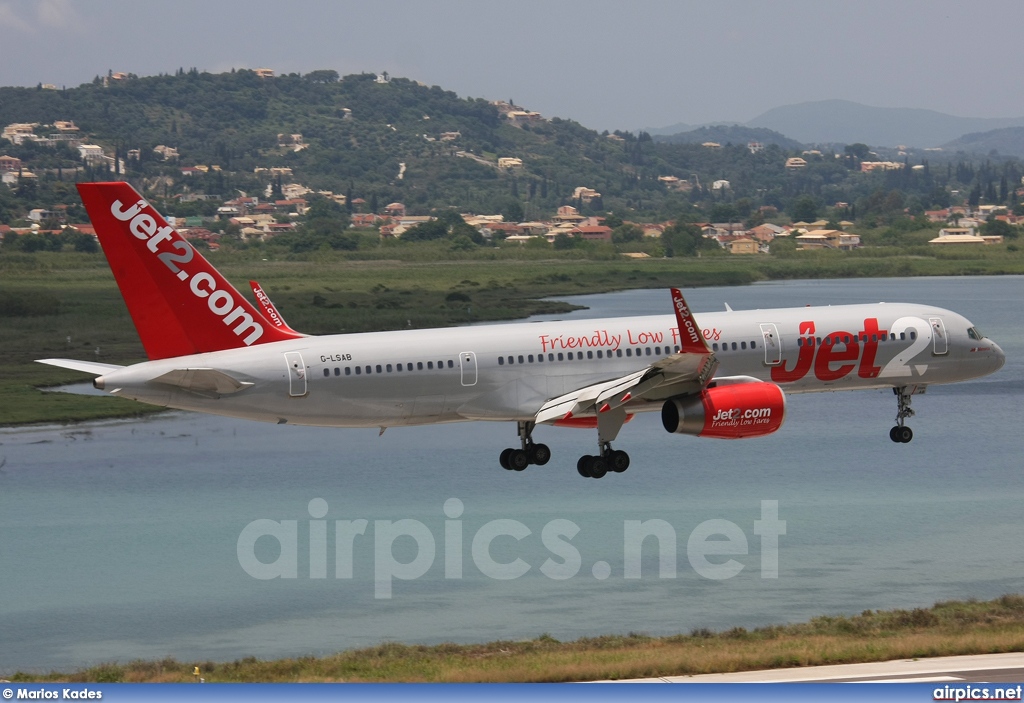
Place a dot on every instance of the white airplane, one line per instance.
(723, 375)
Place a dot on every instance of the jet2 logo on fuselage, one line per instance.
(822, 354)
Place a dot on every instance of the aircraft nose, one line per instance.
(998, 357)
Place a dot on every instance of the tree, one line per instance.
(512, 211)
(683, 239)
(857, 150)
(322, 76)
(564, 241)
(804, 208)
(627, 233)
(999, 228)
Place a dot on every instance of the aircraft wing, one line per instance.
(688, 370)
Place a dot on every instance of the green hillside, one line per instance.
(358, 130)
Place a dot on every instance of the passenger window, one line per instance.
(734, 346)
(753, 345)
(590, 355)
(501, 361)
(599, 354)
(379, 369)
(540, 358)
(846, 339)
(337, 371)
(348, 370)
(530, 358)
(560, 356)
(714, 347)
(430, 365)
(569, 355)
(327, 372)
(743, 345)
(799, 341)
(874, 337)
(419, 365)
(618, 353)
(647, 350)
(359, 370)
(511, 360)
(389, 368)
(913, 334)
(551, 357)
(399, 367)
(903, 336)
(440, 364)
(629, 351)
(520, 358)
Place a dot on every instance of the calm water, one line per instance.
(118, 540)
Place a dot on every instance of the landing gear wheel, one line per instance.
(518, 460)
(598, 466)
(905, 434)
(618, 461)
(894, 434)
(539, 454)
(503, 459)
(582, 467)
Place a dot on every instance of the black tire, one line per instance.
(894, 434)
(582, 466)
(518, 460)
(503, 459)
(906, 434)
(540, 454)
(618, 461)
(598, 467)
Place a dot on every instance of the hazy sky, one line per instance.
(607, 64)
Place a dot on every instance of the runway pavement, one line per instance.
(993, 668)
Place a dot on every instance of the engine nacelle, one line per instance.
(727, 412)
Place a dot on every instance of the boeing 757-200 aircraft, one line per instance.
(723, 375)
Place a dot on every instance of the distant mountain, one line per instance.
(1008, 141)
(730, 134)
(671, 129)
(845, 122)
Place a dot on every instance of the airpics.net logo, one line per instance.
(710, 547)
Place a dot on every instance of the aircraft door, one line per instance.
(296, 374)
(467, 362)
(940, 345)
(772, 344)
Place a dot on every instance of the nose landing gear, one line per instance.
(901, 433)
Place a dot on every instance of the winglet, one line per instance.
(269, 310)
(690, 335)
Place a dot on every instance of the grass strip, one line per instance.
(946, 629)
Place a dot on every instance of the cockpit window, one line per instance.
(973, 333)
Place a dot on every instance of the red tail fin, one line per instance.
(179, 303)
(690, 335)
(269, 310)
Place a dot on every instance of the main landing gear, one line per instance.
(514, 459)
(609, 459)
(901, 433)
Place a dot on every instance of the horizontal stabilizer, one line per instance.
(202, 381)
(86, 366)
